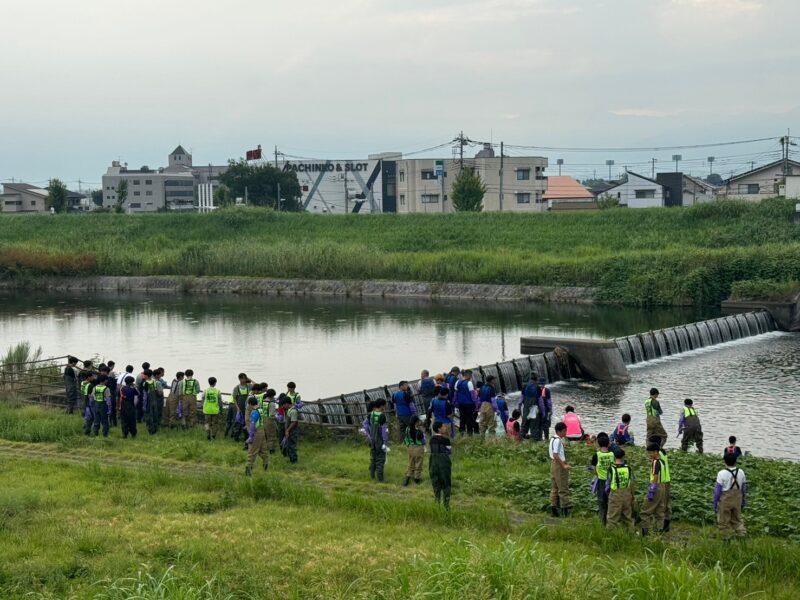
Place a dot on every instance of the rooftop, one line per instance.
(563, 186)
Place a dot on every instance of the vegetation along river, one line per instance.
(748, 388)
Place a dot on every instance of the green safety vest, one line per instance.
(99, 393)
(665, 476)
(620, 477)
(190, 387)
(648, 406)
(688, 411)
(85, 388)
(293, 396)
(409, 441)
(604, 461)
(211, 401)
(263, 415)
(242, 391)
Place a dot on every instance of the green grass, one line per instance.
(654, 256)
(322, 529)
(761, 289)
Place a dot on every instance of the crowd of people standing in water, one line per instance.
(266, 421)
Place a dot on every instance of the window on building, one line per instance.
(402, 176)
(429, 198)
(427, 174)
(148, 193)
(645, 193)
(523, 174)
(33, 202)
(136, 181)
(136, 205)
(523, 198)
(749, 188)
(137, 193)
(402, 198)
(148, 182)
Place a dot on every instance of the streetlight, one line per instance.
(711, 160)
(610, 164)
(559, 162)
(677, 158)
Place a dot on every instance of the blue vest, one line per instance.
(486, 394)
(401, 404)
(502, 406)
(530, 391)
(427, 387)
(463, 395)
(451, 380)
(439, 408)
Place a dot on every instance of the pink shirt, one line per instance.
(573, 423)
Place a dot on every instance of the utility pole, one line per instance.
(786, 155)
(653, 169)
(559, 162)
(279, 196)
(461, 152)
(245, 195)
(276, 156)
(501, 176)
(346, 195)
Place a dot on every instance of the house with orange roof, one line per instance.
(565, 193)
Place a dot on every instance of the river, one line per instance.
(331, 345)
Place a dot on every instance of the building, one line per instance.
(636, 191)
(681, 189)
(759, 183)
(23, 198)
(171, 188)
(565, 193)
(524, 183)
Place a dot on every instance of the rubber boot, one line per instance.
(248, 471)
(406, 481)
(645, 532)
(418, 481)
(266, 466)
(565, 512)
(555, 512)
(666, 526)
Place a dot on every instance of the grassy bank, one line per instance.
(654, 256)
(171, 516)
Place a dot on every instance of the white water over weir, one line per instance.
(651, 345)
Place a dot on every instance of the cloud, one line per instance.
(648, 113)
(481, 12)
(720, 7)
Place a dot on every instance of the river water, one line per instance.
(331, 346)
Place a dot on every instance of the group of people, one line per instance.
(255, 412)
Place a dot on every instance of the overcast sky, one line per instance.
(87, 81)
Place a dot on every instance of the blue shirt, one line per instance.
(403, 404)
(442, 410)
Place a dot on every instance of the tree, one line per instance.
(607, 201)
(223, 196)
(97, 198)
(261, 183)
(468, 191)
(122, 195)
(714, 179)
(57, 196)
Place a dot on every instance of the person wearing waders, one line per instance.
(259, 392)
(601, 461)
(487, 413)
(654, 507)
(560, 504)
(440, 464)
(689, 426)
(102, 405)
(620, 489)
(544, 404)
(71, 384)
(291, 392)
(140, 379)
(414, 441)
(236, 409)
(212, 406)
(111, 382)
(465, 400)
(653, 411)
(377, 432)
(87, 388)
(666, 481)
(404, 407)
(730, 498)
(191, 387)
(292, 422)
(257, 436)
(269, 404)
(155, 401)
(529, 407)
(174, 407)
(128, 399)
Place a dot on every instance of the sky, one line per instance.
(86, 82)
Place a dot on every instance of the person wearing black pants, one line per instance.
(128, 401)
(465, 400)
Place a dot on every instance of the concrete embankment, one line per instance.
(306, 287)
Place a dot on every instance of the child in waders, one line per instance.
(487, 413)
(513, 427)
(653, 511)
(292, 422)
(237, 408)
(502, 409)
(652, 408)
(258, 391)
(191, 387)
(111, 383)
(212, 406)
(732, 448)
(291, 392)
(155, 401)
(730, 498)
(622, 435)
(128, 400)
(71, 383)
(620, 490)
(601, 461)
(173, 413)
(87, 387)
(560, 504)
(376, 429)
(269, 404)
(441, 465)
(414, 441)
(689, 426)
(666, 481)
(257, 438)
(102, 406)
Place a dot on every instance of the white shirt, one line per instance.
(121, 378)
(725, 478)
(557, 447)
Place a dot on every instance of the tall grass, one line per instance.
(655, 256)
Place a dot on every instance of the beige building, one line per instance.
(524, 183)
(23, 198)
(759, 183)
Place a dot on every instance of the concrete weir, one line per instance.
(599, 360)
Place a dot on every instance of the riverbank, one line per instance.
(172, 515)
(647, 257)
